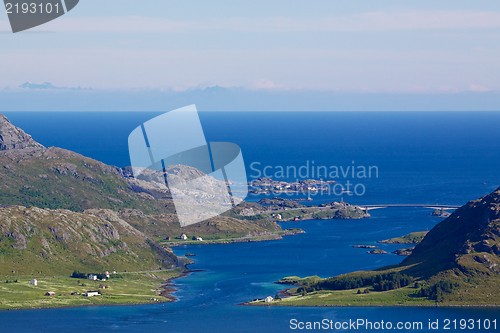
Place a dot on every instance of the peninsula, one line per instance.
(454, 264)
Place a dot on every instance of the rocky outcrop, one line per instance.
(404, 252)
(12, 137)
(440, 213)
(377, 251)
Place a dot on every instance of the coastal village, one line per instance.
(89, 293)
(264, 185)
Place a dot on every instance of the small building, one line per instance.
(74, 293)
(107, 275)
(269, 299)
(50, 293)
(296, 218)
(184, 237)
(92, 293)
(93, 277)
(199, 239)
(34, 282)
(167, 238)
(102, 286)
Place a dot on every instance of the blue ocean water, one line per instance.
(422, 158)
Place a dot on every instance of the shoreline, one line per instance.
(285, 293)
(167, 286)
(263, 238)
(377, 306)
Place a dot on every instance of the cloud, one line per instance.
(371, 21)
(477, 88)
(264, 84)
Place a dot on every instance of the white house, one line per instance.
(93, 277)
(92, 293)
(34, 282)
(107, 274)
(269, 299)
(184, 237)
(199, 239)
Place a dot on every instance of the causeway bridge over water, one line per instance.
(440, 207)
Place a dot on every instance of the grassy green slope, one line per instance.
(57, 242)
(60, 179)
(411, 238)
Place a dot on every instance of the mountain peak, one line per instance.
(468, 240)
(47, 86)
(31, 85)
(12, 137)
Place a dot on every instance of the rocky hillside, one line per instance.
(465, 244)
(55, 178)
(60, 179)
(59, 241)
(12, 137)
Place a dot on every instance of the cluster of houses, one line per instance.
(264, 185)
(197, 238)
(90, 293)
(268, 299)
(87, 293)
(95, 277)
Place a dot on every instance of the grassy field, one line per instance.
(131, 288)
(271, 236)
(412, 238)
(401, 297)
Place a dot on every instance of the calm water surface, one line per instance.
(424, 158)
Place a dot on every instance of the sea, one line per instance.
(415, 158)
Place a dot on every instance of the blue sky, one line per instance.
(341, 46)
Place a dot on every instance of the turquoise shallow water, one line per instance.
(441, 158)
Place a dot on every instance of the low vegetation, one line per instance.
(412, 238)
(125, 288)
(456, 263)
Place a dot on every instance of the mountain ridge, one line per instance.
(12, 137)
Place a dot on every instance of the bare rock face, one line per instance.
(12, 137)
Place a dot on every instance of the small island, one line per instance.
(365, 246)
(440, 213)
(377, 251)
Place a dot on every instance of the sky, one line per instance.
(376, 47)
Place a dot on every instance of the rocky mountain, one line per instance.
(59, 241)
(465, 244)
(12, 137)
(47, 86)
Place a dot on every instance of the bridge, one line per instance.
(440, 207)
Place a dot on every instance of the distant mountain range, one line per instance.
(48, 86)
(217, 98)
